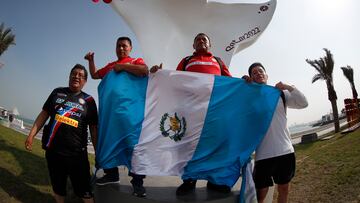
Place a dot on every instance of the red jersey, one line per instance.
(127, 60)
(204, 63)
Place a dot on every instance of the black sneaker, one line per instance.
(187, 187)
(138, 188)
(218, 188)
(108, 179)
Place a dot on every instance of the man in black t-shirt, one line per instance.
(71, 111)
(70, 115)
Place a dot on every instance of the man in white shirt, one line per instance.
(275, 157)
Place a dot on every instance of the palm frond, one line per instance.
(348, 73)
(329, 61)
(314, 64)
(6, 38)
(317, 77)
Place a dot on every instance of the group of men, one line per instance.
(71, 111)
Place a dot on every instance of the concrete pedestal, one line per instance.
(122, 193)
(161, 189)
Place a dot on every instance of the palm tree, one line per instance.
(6, 38)
(325, 67)
(349, 74)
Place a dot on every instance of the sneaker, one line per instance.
(138, 188)
(108, 179)
(218, 188)
(187, 187)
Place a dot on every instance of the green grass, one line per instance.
(328, 171)
(24, 175)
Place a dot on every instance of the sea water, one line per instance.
(300, 128)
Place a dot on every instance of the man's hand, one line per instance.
(283, 86)
(247, 78)
(155, 68)
(89, 56)
(118, 67)
(28, 143)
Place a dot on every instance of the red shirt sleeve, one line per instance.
(103, 71)
(180, 66)
(139, 61)
(225, 71)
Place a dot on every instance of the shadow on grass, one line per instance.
(341, 136)
(33, 173)
(16, 188)
(304, 146)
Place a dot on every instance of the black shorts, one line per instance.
(280, 169)
(77, 168)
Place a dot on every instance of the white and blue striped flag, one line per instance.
(194, 125)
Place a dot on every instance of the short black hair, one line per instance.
(81, 67)
(201, 33)
(252, 66)
(124, 38)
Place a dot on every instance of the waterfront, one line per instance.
(319, 130)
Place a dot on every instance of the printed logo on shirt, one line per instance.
(66, 120)
(61, 95)
(203, 63)
(81, 101)
(59, 100)
(74, 105)
(61, 111)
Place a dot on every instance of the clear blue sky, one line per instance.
(52, 36)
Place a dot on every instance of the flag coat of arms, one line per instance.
(175, 123)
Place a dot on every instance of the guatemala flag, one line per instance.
(176, 123)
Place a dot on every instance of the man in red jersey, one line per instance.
(137, 67)
(202, 61)
(134, 66)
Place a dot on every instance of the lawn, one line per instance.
(328, 171)
(23, 174)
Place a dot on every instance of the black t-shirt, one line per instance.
(70, 115)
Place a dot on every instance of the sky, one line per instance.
(52, 36)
